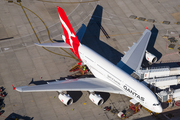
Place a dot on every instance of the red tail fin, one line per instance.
(70, 36)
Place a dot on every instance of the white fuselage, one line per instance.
(107, 71)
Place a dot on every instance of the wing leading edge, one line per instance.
(133, 58)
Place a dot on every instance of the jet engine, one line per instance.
(66, 99)
(150, 57)
(96, 99)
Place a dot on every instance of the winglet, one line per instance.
(13, 87)
(146, 27)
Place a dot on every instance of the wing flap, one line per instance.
(62, 45)
(83, 84)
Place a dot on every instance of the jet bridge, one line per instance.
(158, 72)
(169, 95)
(164, 93)
(163, 83)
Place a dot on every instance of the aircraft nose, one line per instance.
(159, 109)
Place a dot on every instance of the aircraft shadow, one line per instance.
(152, 40)
(170, 64)
(14, 116)
(76, 95)
(92, 34)
(104, 95)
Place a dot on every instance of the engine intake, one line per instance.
(96, 99)
(150, 57)
(66, 99)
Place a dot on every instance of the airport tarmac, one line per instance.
(32, 21)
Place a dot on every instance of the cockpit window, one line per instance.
(156, 104)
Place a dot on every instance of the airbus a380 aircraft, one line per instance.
(108, 77)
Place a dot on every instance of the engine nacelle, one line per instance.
(96, 99)
(66, 99)
(150, 57)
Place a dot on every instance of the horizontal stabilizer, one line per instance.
(62, 45)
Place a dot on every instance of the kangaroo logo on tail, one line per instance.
(68, 31)
(70, 36)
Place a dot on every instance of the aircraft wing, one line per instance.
(82, 84)
(132, 59)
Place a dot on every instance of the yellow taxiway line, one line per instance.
(71, 56)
